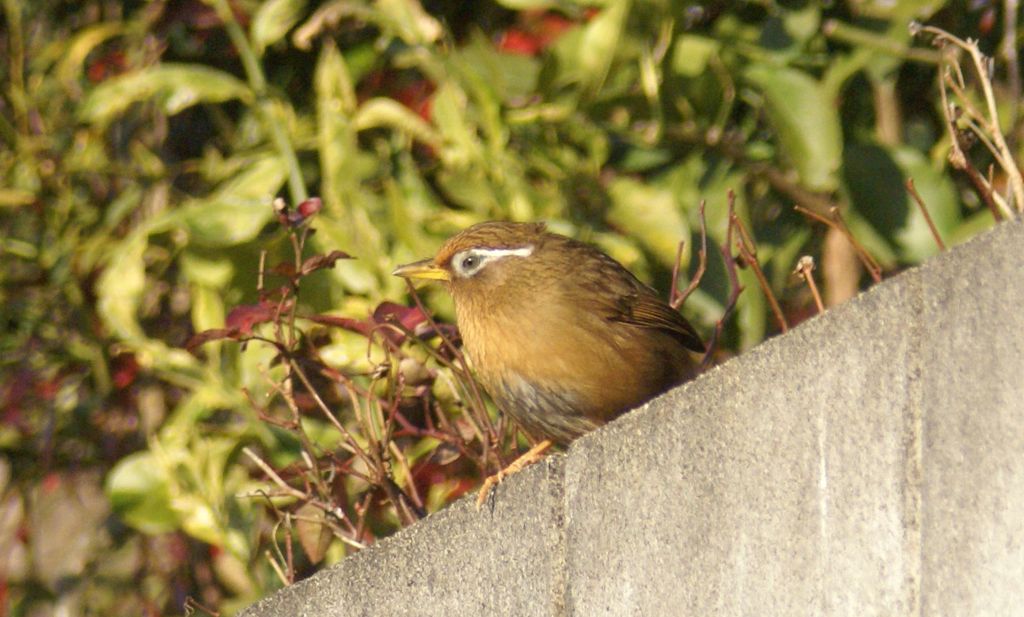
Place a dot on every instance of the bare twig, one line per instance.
(678, 299)
(734, 288)
(350, 440)
(730, 306)
(276, 479)
(192, 605)
(984, 124)
(289, 547)
(482, 423)
(408, 512)
(748, 253)
(864, 38)
(836, 222)
(804, 268)
(277, 568)
(261, 273)
(924, 210)
(674, 288)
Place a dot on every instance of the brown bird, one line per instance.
(561, 336)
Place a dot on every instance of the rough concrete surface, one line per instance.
(501, 560)
(870, 462)
(772, 487)
(972, 417)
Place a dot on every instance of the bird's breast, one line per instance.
(541, 411)
(562, 373)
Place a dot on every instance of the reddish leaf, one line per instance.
(390, 312)
(318, 262)
(517, 42)
(107, 66)
(345, 323)
(413, 319)
(215, 334)
(243, 318)
(386, 313)
(293, 217)
(281, 295)
(417, 97)
(536, 31)
(552, 26)
(310, 207)
(284, 269)
(47, 389)
(51, 482)
(124, 369)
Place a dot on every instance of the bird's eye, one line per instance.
(468, 263)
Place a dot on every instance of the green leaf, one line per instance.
(692, 53)
(385, 112)
(173, 87)
(751, 310)
(138, 488)
(273, 20)
(69, 68)
(208, 277)
(408, 21)
(333, 84)
(875, 177)
(199, 520)
(802, 24)
(600, 40)
(15, 197)
(238, 210)
(506, 77)
(462, 145)
(650, 214)
(525, 5)
(120, 287)
(806, 122)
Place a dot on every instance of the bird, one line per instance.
(562, 337)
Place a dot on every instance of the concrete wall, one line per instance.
(871, 462)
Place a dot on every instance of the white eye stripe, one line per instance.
(524, 251)
(467, 263)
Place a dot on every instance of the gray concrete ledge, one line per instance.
(870, 462)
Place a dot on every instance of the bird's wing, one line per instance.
(643, 308)
(632, 302)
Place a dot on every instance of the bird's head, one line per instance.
(482, 259)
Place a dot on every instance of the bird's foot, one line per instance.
(530, 457)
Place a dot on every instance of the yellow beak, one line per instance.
(424, 269)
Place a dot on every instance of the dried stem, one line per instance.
(984, 124)
(192, 605)
(676, 266)
(678, 299)
(322, 406)
(836, 222)
(924, 210)
(734, 287)
(748, 253)
(804, 268)
(276, 479)
(277, 567)
(490, 439)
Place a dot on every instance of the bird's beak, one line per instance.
(422, 270)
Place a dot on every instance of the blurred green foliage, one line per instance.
(143, 144)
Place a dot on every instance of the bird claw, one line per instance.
(530, 457)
